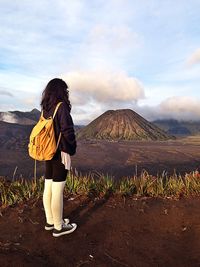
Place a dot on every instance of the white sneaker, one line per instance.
(66, 229)
(49, 227)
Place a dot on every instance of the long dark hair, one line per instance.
(55, 91)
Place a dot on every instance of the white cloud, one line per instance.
(25, 99)
(30, 101)
(177, 107)
(182, 107)
(8, 117)
(36, 36)
(5, 92)
(103, 87)
(84, 115)
(114, 37)
(18, 81)
(194, 58)
(106, 47)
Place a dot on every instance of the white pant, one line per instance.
(53, 202)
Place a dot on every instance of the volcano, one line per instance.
(122, 124)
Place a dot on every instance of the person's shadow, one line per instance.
(82, 213)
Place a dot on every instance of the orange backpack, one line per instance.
(42, 144)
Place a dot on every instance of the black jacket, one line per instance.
(63, 124)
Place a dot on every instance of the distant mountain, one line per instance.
(19, 117)
(176, 127)
(25, 118)
(122, 124)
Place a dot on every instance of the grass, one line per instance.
(143, 185)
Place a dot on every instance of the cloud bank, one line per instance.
(182, 107)
(8, 117)
(177, 107)
(103, 87)
(5, 93)
(93, 93)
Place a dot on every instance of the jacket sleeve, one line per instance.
(67, 129)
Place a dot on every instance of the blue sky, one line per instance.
(143, 55)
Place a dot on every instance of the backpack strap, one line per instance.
(58, 141)
(54, 114)
(58, 105)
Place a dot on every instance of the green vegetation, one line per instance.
(137, 186)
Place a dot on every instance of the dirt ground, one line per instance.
(127, 158)
(111, 232)
(117, 159)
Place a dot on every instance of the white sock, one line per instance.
(47, 195)
(57, 204)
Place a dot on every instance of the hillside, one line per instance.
(24, 118)
(175, 127)
(20, 117)
(14, 136)
(122, 124)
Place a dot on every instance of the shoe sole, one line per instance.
(49, 228)
(66, 232)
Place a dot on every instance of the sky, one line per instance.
(113, 54)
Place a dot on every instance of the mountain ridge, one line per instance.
(170, 126)
(20, 117)
(179, 128)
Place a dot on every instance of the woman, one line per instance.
(57, 168)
